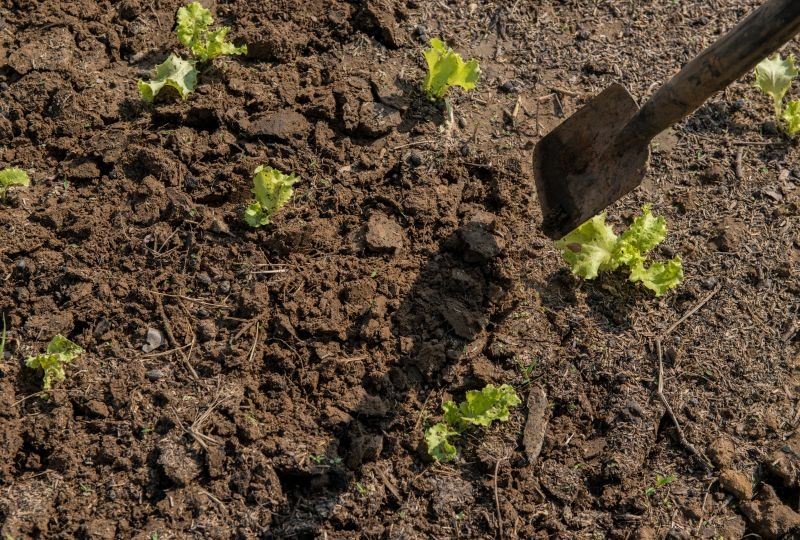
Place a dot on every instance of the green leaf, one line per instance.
(193, 21)
(774, 77)
(174, 72)
(791, 117)
(255, 216)
(439, 446)
(272, 189)
(646, 231)
(215, 45)
(589, 248)
(658, 277)
(60, 351)
(13, 177)
(193, 31)
(482, 407)
(593, 247)
(445, 69)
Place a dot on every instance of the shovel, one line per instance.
(601, 152)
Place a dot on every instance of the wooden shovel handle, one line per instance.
(753, 39)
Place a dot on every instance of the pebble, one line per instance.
(155, 375)
(509, 87)
(709, 283)
(415, 159)
(153, 340)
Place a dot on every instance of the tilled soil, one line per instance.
(276, 382)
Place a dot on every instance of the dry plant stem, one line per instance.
(667, 407)
(497, 499)
(171, 337)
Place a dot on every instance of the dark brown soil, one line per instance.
(291, 370)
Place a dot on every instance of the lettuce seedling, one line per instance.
(593, 247)
(193, 22)
(174, 72)
(774, 77)
(480, 408)
(445, 69)
(272, 189)
(60, 351)
(12, 177)
(205, 45)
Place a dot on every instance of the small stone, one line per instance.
(224, 287)
(415, 159)
(709, 283)
(508, 87)
(155, 374)
(737, 484)
(153, 340)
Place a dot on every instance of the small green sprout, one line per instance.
(12, 177)
(481, 408)
(445, 69)
(593, 247)
(193, 22)
(60, 351)
(272, 189)
(661, 481)
(774, 77)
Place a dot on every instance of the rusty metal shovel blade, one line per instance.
(601, 152)
(577, 171)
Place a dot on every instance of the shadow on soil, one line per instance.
(447, 308)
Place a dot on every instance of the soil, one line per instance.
(276, 382)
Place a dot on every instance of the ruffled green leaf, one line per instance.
(437, 438)
(446, 68)
(658, 277)
(193, 21)
(589, 248)
(593, 247)
(60, 351)
(215, 45)
(791, 118)
(174, 72)
(193, 31)
(12, 177)
(774, 77)
(272, 189)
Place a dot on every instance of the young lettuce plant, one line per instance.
(12, 177)
(60, 352)
(481, 408)
(774, 77)
(272, 189)
(593, 247)
(445, 69)
(193, 22)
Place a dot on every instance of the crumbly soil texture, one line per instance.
(276, 382)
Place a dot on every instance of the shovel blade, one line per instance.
(578, 170)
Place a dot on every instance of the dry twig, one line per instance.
(667, 407)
